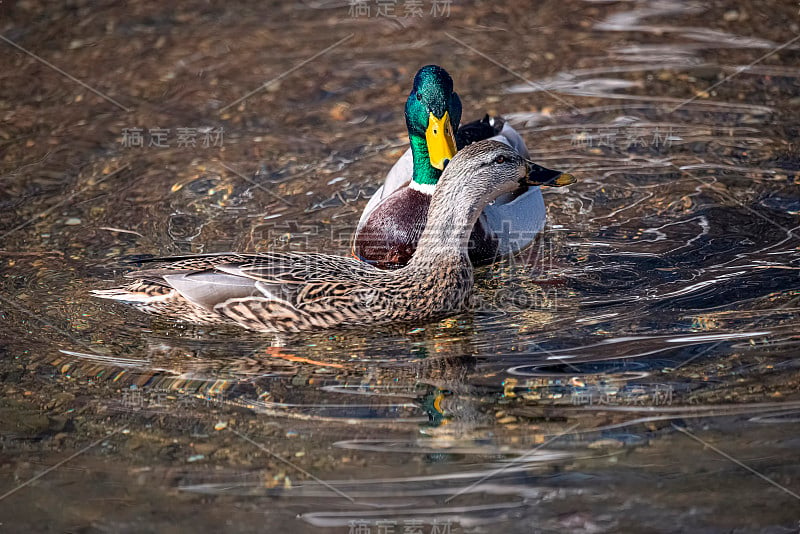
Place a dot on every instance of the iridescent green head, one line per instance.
(433, 113)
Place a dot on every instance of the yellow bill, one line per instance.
(440, 139)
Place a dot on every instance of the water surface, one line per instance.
(634, 370)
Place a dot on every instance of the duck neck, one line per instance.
(425, 176)
(451, 217)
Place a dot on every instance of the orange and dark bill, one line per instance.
(538, 175)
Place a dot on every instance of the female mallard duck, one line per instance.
(392, 221)
(291, 292)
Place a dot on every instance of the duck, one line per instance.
(393, 219)
(294, 291)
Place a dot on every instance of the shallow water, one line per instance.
(635, 370)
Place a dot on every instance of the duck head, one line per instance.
(484, 170)
(478, 174)
(433, 114)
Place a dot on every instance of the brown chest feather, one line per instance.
(390, 234)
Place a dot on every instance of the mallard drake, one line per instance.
(291, 292)
(393, 220)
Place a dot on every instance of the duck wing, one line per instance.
(210, 280)
(298, 269)
(298, 291)
(491, 127)
(478, 130)
(269, 291)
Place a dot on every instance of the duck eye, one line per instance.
(419, 97)
(500, 159)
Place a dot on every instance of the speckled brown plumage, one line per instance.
(291, 292)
